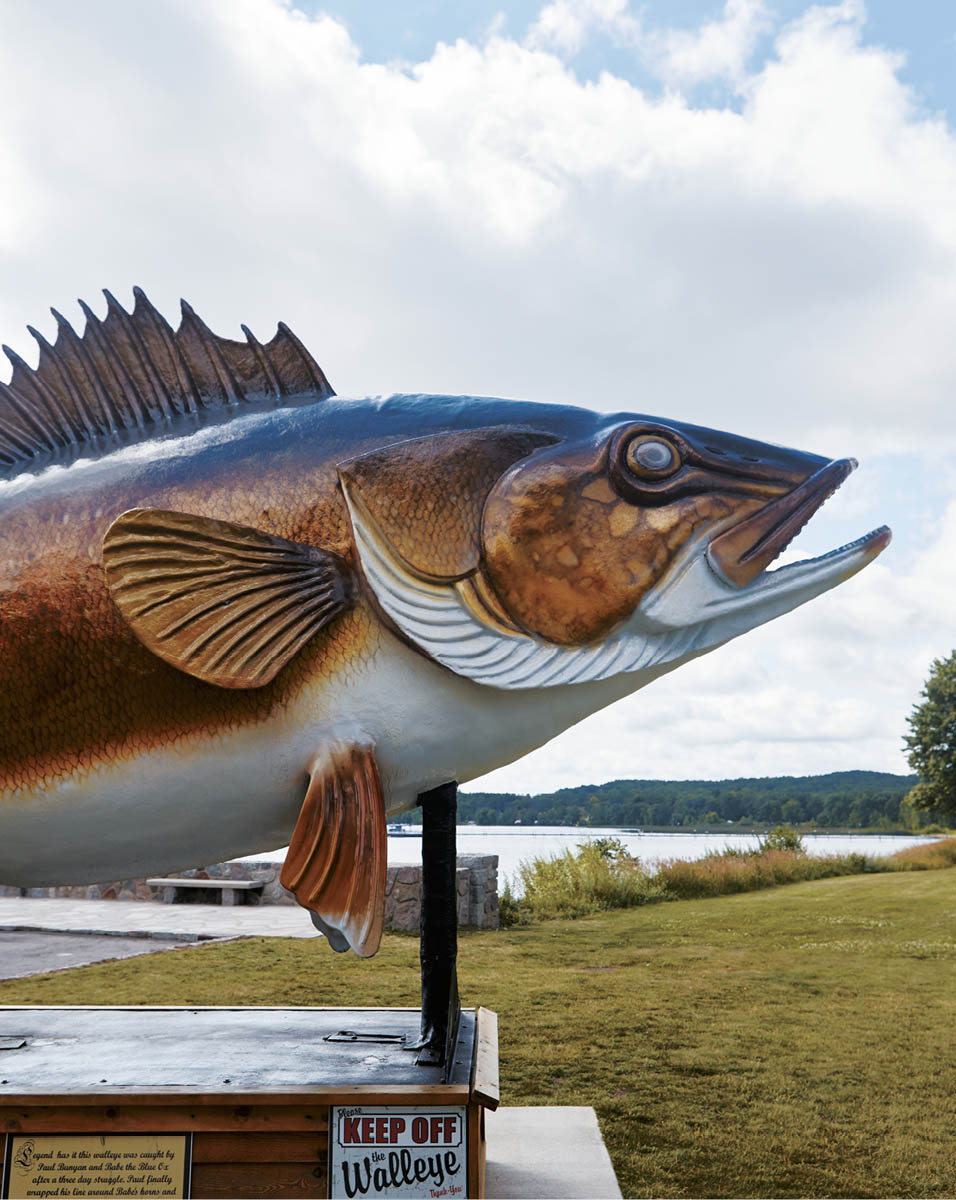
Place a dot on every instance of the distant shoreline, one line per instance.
(413, 818)
(837, 802)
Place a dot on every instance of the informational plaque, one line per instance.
(402, 1150)
(45, 1165)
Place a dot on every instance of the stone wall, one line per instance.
(476, 877)
(477, 881)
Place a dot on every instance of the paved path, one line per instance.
(133, 918)
(555, 1152)
(29, 952)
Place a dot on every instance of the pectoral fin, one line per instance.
(226, 603)
(336, 861)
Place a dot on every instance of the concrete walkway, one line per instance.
(133, 918)
(553, 1152)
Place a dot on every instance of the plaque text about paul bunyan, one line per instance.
(42, 1166)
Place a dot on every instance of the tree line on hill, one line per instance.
(841, 800)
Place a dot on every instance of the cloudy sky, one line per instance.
(741, 215)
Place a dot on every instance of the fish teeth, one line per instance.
(856, 544)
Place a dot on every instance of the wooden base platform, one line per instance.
(217, 1102)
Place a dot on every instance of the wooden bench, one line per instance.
(232, 891)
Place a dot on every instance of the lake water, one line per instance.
(515, 844)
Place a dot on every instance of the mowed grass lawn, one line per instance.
(799, 1041)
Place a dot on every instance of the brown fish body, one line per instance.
(227, 596)
(76, 686)
(86, 708)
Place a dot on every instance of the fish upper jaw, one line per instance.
(741, 553)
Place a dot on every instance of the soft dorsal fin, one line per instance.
(130, 375)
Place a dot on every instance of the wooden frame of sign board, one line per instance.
(256, 1090)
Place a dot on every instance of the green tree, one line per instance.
(932, 741)
(792, 812)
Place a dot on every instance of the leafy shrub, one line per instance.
(725, 874)
(783, 837)
(599, 876)
(728, 852)
(511, 910)
(611, 848)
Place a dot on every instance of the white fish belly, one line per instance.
(204, 801)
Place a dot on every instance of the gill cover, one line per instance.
(426, 496)
(511, 559)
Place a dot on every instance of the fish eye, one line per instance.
(651, 457)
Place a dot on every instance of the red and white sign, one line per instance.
(390, 1151)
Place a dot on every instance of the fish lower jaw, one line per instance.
(701, 599)
(873, 543)
(839, 564)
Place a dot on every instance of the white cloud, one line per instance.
(718, 49)
(486, 222)
(565, 26)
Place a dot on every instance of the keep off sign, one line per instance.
(391, 1151)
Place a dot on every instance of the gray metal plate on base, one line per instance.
(218, 1050)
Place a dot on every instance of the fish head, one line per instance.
(623, 550)
(657, 524)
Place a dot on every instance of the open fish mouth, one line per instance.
(741, 554)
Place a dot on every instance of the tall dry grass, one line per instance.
(725, 874)
(931, 857)
(601, 875)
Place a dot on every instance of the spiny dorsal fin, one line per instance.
(130, 375)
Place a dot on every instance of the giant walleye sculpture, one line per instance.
(236, 609)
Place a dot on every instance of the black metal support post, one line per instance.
(439, 928)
